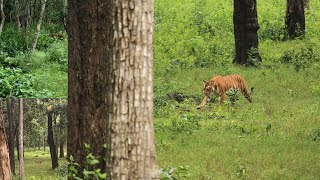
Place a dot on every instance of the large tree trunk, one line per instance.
(52, 146)
(245, 22)
(88, 50)
(295, 20)
(110, 86)
(5, 168)
(21, 162)
(131, 153)
(36, 36)
(10, 106)
(3, 16)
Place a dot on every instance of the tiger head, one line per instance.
(208, 88)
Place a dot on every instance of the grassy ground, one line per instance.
(273, 138)
(38, 165)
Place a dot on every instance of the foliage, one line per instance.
(87, 172)
(174, 173)
(58, 53)
(301, 58)
(15, 83)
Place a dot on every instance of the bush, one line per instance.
(58, 53)
(13, 82)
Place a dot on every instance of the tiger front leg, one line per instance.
(203, 102)
(222, 98)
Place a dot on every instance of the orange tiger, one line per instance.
(219, 85)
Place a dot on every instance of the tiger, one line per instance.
(220, 85)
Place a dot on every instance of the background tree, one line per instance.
(97, 28)
(21, 162)
(295, 19)
(52, 145)
(10, 109)
(2, 15)
(5, 168)
(245, 22)
(36, 36)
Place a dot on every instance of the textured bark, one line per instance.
(5, 168)
(110, 86)
(21, 162)
(89, 39)
(2, 15)
(245, 22)
(36, 35)
(295, 19)
(52, 146)
(10, 106)
(131, 152)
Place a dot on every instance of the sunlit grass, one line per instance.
(38, 165)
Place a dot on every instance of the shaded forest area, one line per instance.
(44, 127)
(33, 49)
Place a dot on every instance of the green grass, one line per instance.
(228, 139)
(38, 165)
(272, 138)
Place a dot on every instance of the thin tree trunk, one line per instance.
(36, 36)
(10, 106)
(5, 168)
(39, 143)
(44, 141)
(17, 14)
(52, 146)
(245, 22)
(3, 16)
(61, 149)
(295, 19)
(21, 162)
(27, 23)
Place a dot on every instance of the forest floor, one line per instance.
(38, 166)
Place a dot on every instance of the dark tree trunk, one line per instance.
(88, 50)
(52, 146)
(295, 20)
(10, 108)
(5, 169)
(61, 149)
(245, 22)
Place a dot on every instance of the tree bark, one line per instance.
(21, 162)
(131, 152)
(88, 51)
(52, 146)
(245, 22)
(5, 168)
(10, 106)
(36, 35)
(295, 19)
(17, 14)
(110, 86)
(3, 16)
